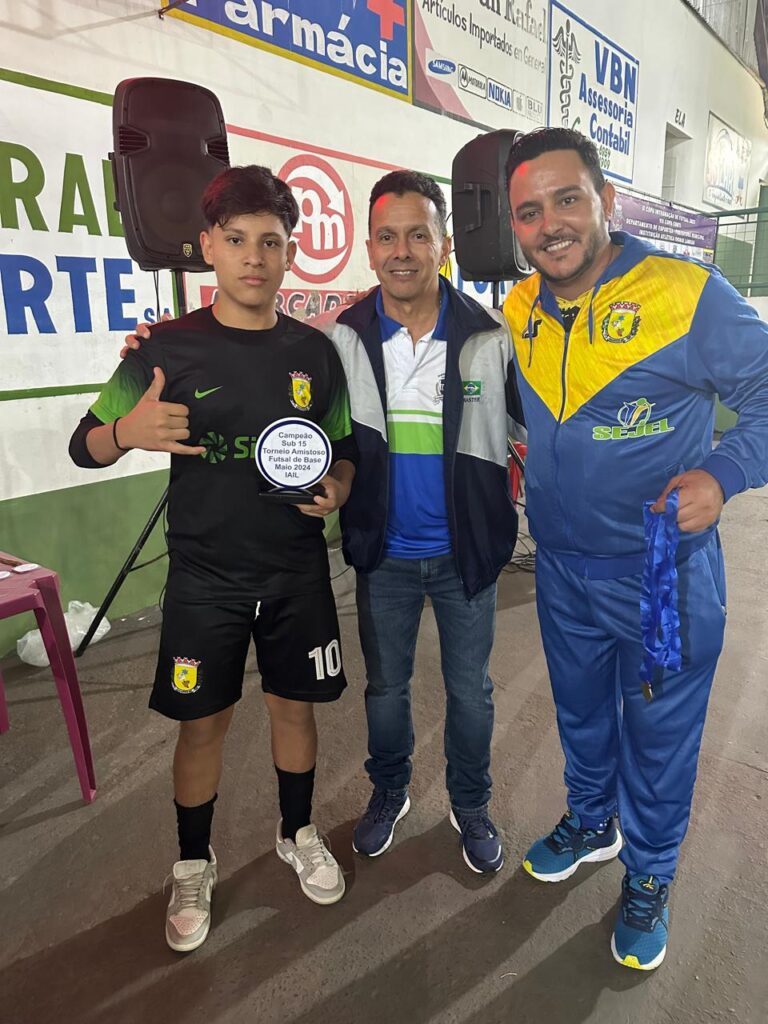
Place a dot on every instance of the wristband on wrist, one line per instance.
(114, 436)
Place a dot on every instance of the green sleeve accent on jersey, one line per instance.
(337, 422)
(123, 390)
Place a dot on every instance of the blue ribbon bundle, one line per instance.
(659, 618)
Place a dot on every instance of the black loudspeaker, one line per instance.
(170, 140)
(486, 247)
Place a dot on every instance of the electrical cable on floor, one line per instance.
(338, 575)
(525, 560)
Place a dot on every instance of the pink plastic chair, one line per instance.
(38, 591)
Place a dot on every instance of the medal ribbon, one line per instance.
(659, 618)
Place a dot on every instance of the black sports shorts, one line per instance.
(203, 648)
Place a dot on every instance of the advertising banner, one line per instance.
(69, 289)
(671, 228)
(592, 87)
(483, 63)
(727, 166)
(366, 41)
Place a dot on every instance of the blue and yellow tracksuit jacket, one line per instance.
(626, 399)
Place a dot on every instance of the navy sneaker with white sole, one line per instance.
(376, 828)
(480, 842)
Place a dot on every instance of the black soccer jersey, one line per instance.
(226, 542)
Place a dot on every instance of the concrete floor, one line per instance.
(418, 938)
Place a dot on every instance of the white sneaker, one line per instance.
(188, 917)
(320, 877)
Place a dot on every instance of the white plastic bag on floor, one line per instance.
(78, 618)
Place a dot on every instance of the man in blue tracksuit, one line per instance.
(620, 350)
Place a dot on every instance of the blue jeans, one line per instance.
(389, 605)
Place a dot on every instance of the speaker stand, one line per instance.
(496, 294)
(161, 13)
(157, 511)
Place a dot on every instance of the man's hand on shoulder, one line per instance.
(700, 502)
(320, 321)
(156, 426)
(143, 333)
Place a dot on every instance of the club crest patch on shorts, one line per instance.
(186, 675)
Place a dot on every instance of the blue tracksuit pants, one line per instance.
(623, 754)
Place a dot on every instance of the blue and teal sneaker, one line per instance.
(640, 937)
(555, 857)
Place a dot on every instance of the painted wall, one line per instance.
(69, 290)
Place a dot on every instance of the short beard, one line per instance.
(591, 253)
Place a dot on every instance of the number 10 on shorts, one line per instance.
(328, 661)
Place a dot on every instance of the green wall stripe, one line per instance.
(85, 533)
(63, 88)
(66, 389)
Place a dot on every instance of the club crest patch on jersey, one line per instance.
(186, 675)
(301, 390)
(622, 323)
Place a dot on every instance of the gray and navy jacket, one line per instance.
(481, 514)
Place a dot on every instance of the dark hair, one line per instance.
(250, 189)
(399, 182)
(547, 140)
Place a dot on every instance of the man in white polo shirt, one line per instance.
(430, 514)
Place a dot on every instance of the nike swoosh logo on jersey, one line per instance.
(202, 394)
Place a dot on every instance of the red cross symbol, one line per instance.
(390, 14)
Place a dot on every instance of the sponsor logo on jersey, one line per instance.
(216, 448)
(622, 323)
(209, 391)
(532, 330)
(186, 677)
(301, 390)
(635, 421)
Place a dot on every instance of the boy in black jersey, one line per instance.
(240, 566)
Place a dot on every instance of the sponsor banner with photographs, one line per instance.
(727, 166)
(593, 88)
(672, 228)
(485, 63)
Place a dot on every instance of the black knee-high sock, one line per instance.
(194, 825)
(295, 789)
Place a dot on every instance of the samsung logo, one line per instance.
(441, 66)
